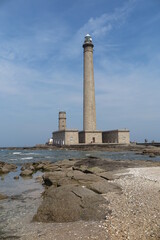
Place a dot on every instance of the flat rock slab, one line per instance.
(71, 203)
(108, 175)
(104, 187)
(80, 176)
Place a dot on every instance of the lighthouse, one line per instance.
(89, 108)
(89, 133)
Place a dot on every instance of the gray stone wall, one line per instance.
(124, 137)
(110, 137)
(116, 136)
(71, 137)
(90, 137)
(58, 138)
(65, 137)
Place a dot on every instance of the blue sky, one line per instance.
(41, 66)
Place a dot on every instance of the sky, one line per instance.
(41, 67)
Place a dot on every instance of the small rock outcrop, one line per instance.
(7, 167)
(26, 173)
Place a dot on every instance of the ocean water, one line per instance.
(24, 193)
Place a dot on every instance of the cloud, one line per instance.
(98, 28)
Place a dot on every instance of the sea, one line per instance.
(24, 194)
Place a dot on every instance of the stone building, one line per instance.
(64, 136)
(89, 134)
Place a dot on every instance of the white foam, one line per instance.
(16, 153)
(30, 153)
(26, 158)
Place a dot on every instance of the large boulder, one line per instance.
(71, 203)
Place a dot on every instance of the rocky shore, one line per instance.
(95, 198)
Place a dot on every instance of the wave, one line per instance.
(17, 153)
(26, 158)
(30, 153)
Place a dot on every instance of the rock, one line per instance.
(2, 196)
(23, 168)
(152, 155)
(6, 167)
(26, 173)
(107, 175)
(81, 168)
(39, 179)
(4, 170)
(85, 169)
(96, 170)
(39, 167)
(53, 177)
(32, 168)
(84, 178)
(71, 203)
(104, 187)
(16, 177)
(50, 168)
(65, 163)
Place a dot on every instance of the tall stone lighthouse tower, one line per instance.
(89, 108)
(89, 133)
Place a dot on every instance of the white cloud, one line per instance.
(98, 28)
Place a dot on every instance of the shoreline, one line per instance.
(135, 213)
(141, 149)
(127, 211)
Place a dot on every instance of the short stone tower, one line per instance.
(89, 108)
(62, 121)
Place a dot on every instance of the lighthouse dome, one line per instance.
(88, 39)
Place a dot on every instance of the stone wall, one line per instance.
(58, 138)
(65, 137)
(90, 137)
(116, 136)
(71, 137)
(124, 137)
(110, 137)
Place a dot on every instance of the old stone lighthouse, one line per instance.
(89, 134)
